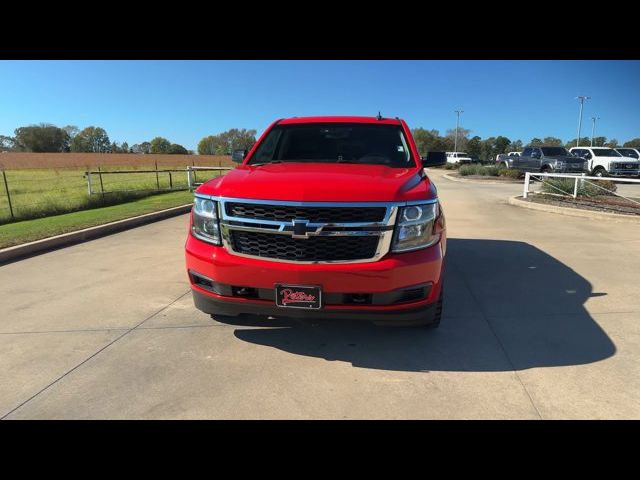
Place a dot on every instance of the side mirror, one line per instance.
(433, 160)
(238, 155)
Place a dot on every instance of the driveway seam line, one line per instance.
(502, 347)
(92, 356)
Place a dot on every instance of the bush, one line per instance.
(587, 188)
(478, 170)
(510, 173)
(451, 166)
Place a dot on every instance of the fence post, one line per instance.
(6, 186)
(101, 184)
(89, 186)
(170, 181)
(527, 177)
(575, 188)
(189, 180)
(157, 178)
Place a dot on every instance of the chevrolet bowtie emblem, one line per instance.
(301, 229)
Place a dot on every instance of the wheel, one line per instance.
(599, 172)
(504, 165)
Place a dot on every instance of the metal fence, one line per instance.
(33, 193)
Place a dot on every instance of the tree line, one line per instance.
(49, 138)
(487, 149)
(46, 137)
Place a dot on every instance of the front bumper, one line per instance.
(624, 173)
(379, 278)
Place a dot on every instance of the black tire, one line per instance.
(599, 172)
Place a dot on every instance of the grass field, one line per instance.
(29, 230)
(39, 193)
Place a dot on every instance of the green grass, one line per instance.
(43, 192)
(588, 188)
(29, 230)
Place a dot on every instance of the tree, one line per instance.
(584, 141)
(500, 145)
(160, 145)
(144, 147)
(599, 141)
(516, 146)
(178, 149)
(613, 143)
(633, 143)
(41, 138)
(124, 148)
(7, 143)
(487, 150)
(425, 140)
(535, 142)
(463, 138)
(552, 142)
(474, 146)
(91, 139)
(224, 143)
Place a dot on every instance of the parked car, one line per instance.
(326, 217)
(629, 152)
(459, 157)
(510, 154)
(543, 159)
(604, 161)
(435, 158)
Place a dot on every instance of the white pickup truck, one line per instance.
(629, 152)
(604, 162)
(459, 157)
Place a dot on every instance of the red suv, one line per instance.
(326, 217)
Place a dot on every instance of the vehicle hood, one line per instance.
(321, 182)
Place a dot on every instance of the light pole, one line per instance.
(455, 142)
(593, 128)
(582, 99)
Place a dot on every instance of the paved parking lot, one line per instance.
(541, 320)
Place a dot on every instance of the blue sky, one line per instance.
(187, 100)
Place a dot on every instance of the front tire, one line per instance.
(599, 172)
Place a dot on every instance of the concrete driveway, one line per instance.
(541, 320)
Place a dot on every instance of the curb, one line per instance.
(573, 212)
(481, 182)
(18, 252)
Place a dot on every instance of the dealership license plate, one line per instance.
(298, 296)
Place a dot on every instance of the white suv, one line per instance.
(604, 161)
(458, 157)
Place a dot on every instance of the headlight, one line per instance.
(205, 220)
(415, 227)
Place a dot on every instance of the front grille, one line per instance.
(313, 214)
(321, 249)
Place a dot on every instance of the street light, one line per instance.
(455, 143)
(582, 99)
(593, 128)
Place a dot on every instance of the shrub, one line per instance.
(587, 188)
(510, 173)
(478, 170)
(451, 166)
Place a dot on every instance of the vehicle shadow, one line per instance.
(508, 305)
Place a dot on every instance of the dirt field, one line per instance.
(19, 160)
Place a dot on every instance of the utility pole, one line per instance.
(582, 99)
(593, 128)
(455, 142)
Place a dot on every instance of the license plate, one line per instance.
(299, 296)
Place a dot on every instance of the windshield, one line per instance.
(554, 151)
(605, 152)
(628, 152)
(335, 143)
